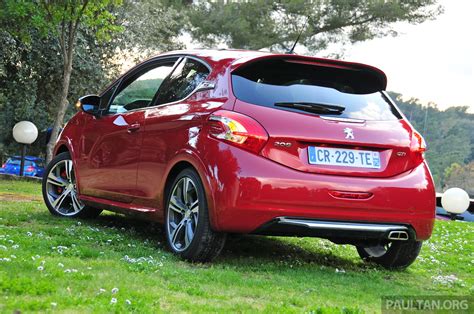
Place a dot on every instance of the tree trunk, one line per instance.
(62, 106)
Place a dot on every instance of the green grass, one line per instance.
(64, 265)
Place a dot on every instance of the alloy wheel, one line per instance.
(61, 189)
(183, 213)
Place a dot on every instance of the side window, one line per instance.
(140, 89)
(184, 79)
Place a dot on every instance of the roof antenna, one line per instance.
(291, 51)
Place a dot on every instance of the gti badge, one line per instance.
(349, 133)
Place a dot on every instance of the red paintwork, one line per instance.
(106, 169)
(388, 137)
(127, 171)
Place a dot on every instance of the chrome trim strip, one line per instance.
(349, 120)
(345, 226)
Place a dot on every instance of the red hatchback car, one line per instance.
(211, 142)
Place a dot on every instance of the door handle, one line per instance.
(133, 127)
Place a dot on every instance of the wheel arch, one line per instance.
(62, 148)
(191, 160)
(174, 171)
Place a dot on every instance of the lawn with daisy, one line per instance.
(119, 264)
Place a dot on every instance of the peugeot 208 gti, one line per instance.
(215, 142)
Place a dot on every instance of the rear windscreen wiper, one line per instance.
(312, 107)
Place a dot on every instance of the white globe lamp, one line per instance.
(455, 201)
(24, 132)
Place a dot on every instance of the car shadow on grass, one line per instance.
(279, 250)
(253, 250)
(247, 251)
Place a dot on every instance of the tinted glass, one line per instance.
(297, 83)
(139, 91)
(184, 79)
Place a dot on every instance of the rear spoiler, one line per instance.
(378, 79)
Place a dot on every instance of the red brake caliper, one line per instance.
(62, 175)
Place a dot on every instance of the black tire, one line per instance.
(206, 244)
(397, 255)
(68, 207)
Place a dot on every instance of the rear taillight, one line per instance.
(418, 143)
(237, 129)
(4, 166)
(30, 169)
(418, 147)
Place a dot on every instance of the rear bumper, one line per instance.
(337, 231)
(251, 192)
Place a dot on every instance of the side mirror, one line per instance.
(89, 104)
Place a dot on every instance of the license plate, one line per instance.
(343, 157)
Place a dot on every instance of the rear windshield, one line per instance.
(271, 82)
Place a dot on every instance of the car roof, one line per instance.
(30, 158)
(218, 55)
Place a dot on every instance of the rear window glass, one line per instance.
(271, 82)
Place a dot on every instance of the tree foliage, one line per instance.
(461, 177)
(60, 20)
(30, 82)
(31, 58)
(449, 135)
(276, 24)
(151, 26)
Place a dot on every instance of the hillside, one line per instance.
(450, 138)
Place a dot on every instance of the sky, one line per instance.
(432, 61)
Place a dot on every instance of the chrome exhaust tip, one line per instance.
(398, 235)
